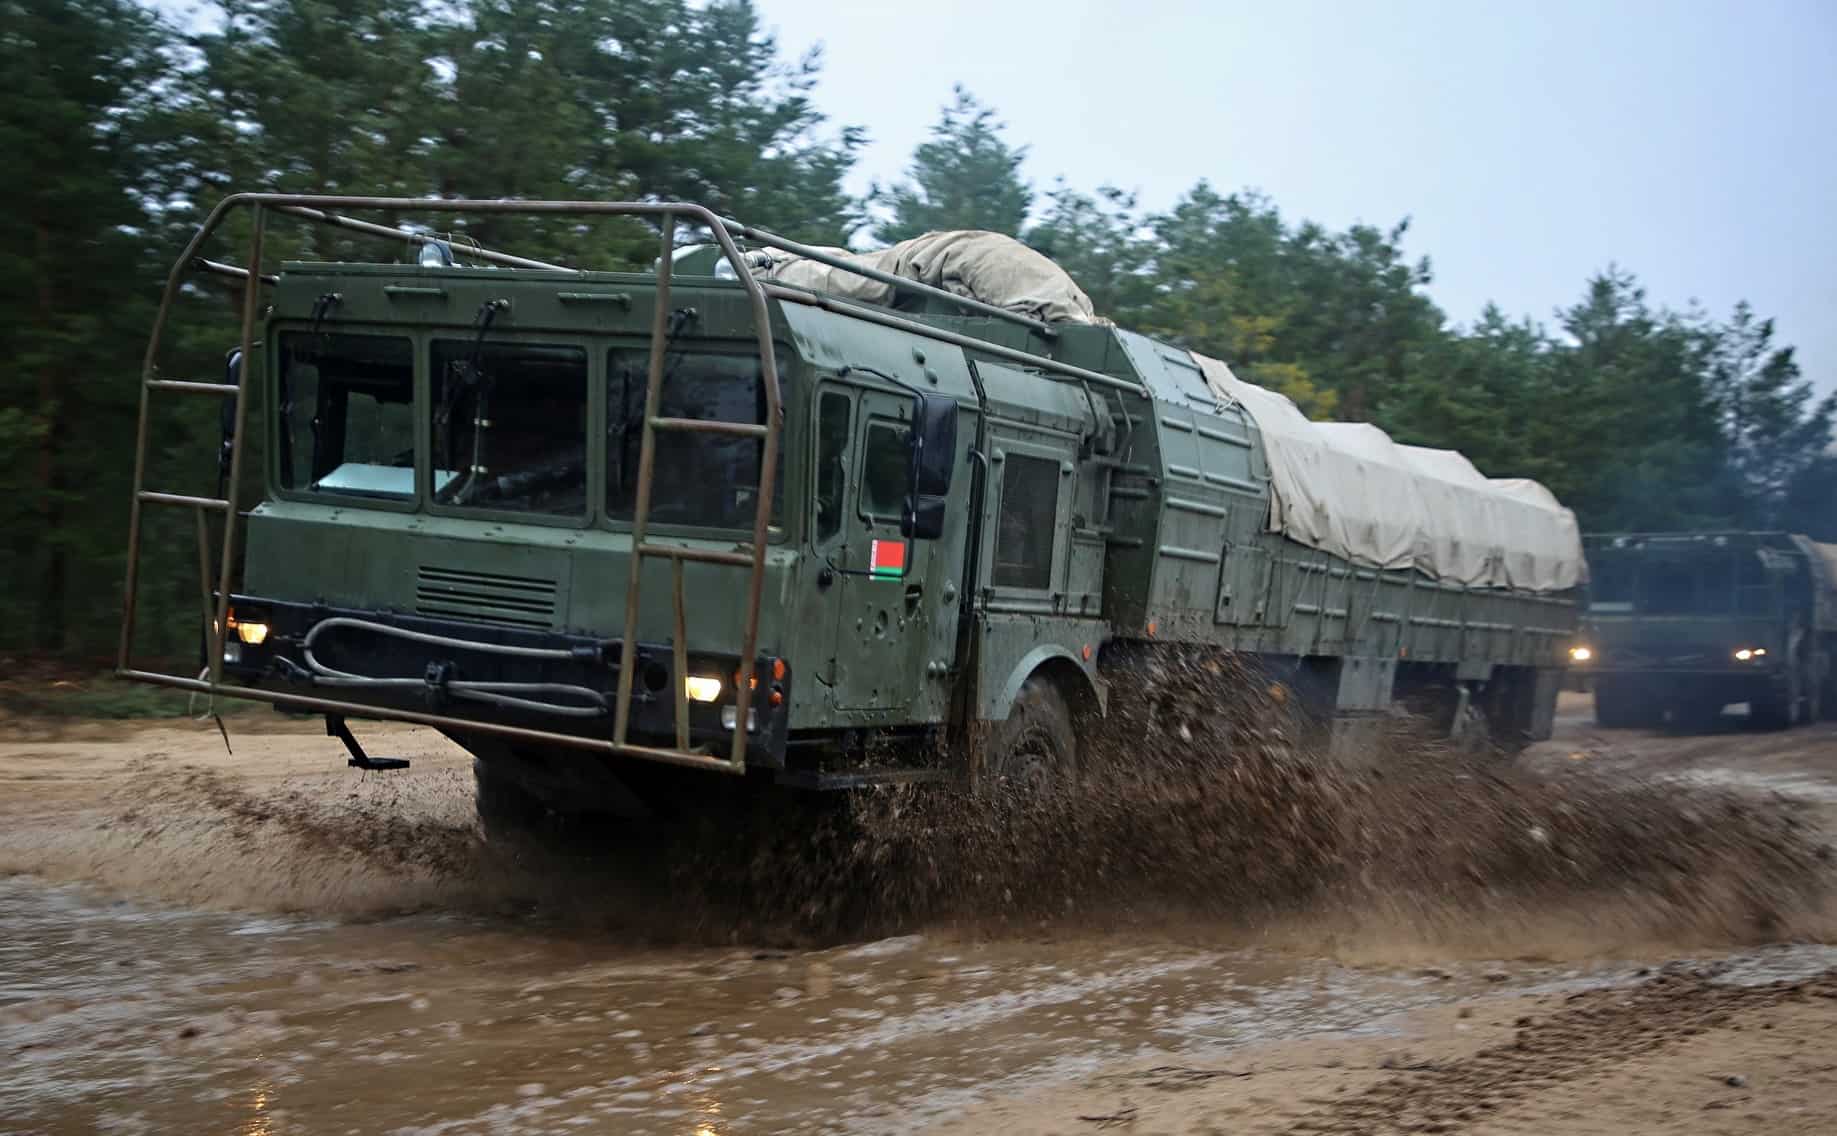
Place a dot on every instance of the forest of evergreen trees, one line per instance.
(125, 128)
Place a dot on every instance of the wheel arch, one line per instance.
(1074, 678)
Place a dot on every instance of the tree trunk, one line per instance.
(53, 588)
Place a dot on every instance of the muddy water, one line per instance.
(128, 1018)
(169, 1013)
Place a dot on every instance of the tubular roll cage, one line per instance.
(319, 209)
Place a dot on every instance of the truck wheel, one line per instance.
(1036, 749)
(506, 810)
(1778, 709)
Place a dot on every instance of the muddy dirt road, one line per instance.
(269, 943)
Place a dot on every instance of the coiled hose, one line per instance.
(493, 693)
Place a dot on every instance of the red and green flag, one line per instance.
(888, 559)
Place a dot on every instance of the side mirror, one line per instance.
(932, 449)
(923, 517)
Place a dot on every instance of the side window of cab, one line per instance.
(833, 421)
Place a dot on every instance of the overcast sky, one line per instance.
(1531, 144)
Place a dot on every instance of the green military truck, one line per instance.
(810, 517)
(1681, 625)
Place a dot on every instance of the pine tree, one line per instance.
(1775, 426)
(1103, 242)
(965, 176)
(84, 78)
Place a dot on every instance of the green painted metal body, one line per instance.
(1156, 523)
(1101, 497)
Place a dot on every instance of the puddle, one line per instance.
(126, 1018)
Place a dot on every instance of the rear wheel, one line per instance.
(1036, 749)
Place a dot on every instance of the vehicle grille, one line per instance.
(1669, 655)
(487, 597)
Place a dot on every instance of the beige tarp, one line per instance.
(1348, 489)
(983, 266)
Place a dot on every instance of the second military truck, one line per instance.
(813, 517)
(1681, 625)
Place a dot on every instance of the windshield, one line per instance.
(347, 414)
(509, 426)
(1723, 582)
(701, 480)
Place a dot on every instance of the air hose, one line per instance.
(503, 694)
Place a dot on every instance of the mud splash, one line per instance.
(1223, 826)
(1183, 811)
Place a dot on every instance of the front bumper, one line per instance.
(471, 672)
(1722, 684)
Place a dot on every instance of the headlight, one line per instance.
(250, 627)
(1749, 653)
(702, 688)
(1580, 654)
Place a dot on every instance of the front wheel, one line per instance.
(506, 810)
(1036, 749)
(1779, 708)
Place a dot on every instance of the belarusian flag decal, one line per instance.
(888, 559)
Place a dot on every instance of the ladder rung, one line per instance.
(217, 503)
(191, 387)
(710, 426)
(702, 555)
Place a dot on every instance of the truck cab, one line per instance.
(1681, 625)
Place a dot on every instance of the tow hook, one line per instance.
(437, 675)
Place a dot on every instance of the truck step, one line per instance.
(335, 727)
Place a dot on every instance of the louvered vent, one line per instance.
(509, 601)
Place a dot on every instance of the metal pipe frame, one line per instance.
(943, 335)
(363, 710)
(319, 209)
(476, 252)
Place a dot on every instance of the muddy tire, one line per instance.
(506, 810)
(1036, 749)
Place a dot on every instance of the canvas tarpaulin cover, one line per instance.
(1348, 489)
(990, 267)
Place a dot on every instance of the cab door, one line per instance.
(882, 576)
(885, 604)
